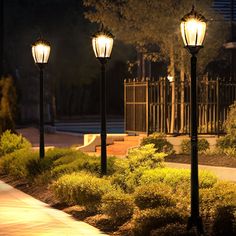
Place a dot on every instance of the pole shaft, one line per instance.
(41, 114)
(103, 121)
(194, 143)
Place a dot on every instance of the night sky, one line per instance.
(72, 75)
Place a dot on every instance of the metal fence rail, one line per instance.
(163, 106)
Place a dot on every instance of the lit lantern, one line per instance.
(102, 44)
(41, 51)
(193, 29)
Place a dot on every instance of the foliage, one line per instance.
(160, 143)
(153, 195)
(230, 123)
(118, 206)
(10, 142)
(220, 195)
(177, 178)
(147, 220)
(7, 104)
(16, 163)
(136, 22)
(224, 221)
(139, 159)
(82, 188)
(146, 157)
(185, 145)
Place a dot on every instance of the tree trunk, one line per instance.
(171, 71)
(182, 108)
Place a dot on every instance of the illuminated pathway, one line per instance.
(22, 215)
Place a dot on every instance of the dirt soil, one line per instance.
(212, 160)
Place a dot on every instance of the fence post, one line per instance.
(147, 106)
(125, 113)
(218, 106)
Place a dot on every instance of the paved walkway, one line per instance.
(22, 215)
(223, 173)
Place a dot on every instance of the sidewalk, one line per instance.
(23, 215)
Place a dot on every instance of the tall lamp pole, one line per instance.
(193, 29)
(102, 43)
(41, 51)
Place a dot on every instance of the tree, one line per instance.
(151, 22)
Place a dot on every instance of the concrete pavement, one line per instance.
(23, 215)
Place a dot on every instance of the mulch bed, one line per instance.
(211, 160)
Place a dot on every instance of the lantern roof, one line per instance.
(193, 14)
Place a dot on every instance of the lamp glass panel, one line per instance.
(102, 46)
(41, 53)
(193, 32)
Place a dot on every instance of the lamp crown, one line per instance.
(193, 14)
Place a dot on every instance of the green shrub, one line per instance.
(76, 162)
(151, 219)
(153, 195)
(220, 195)
(83, 189)
(230, 123)
(160, 143)
(185, 145)
(10, 142)
(177, 178)
(118, 206)
(224, 221)
(16, 163)
(172, 230)
(146, 157)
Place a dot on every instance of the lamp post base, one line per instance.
(196, 223)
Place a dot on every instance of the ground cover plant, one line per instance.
(139, 196)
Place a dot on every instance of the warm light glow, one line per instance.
(102, 45)
(193, 32)
(170, 78)
(193, 29)
(41, 51)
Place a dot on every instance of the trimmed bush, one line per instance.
(83, 189)
(153, 195)
(185, 145)
(16, 163)
(118, 206)
(146, 157)
(177, 178)
(222, 194)
(160, 143)
(150, 219)
(10, 142)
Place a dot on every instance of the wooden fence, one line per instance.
(163, 106)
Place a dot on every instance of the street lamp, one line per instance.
(102, 43)
(41, 52)
(193, 29)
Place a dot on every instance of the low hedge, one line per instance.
(153, 196)
(118, 206)
(10, 142)
(82, 188)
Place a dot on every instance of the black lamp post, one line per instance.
(41, 52)
(193, 29)
(102, 45)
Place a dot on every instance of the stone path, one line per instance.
(23, 215)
